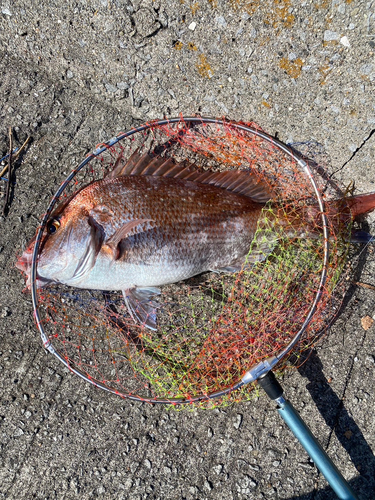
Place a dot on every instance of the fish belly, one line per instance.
(156, 257)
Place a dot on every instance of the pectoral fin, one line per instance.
(88, 259)
(140, 305)
(114, 241)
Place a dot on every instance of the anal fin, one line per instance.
(228, 269)
(141, 307)
(259, 252)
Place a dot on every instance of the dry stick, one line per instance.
(16, 155)
(365, 285)
(4, 169)
(9, 170)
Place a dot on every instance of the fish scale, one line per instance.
(187, 221)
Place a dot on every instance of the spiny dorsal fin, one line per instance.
(237, 181)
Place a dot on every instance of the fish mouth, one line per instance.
(24, 264)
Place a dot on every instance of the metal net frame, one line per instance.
(216, 332)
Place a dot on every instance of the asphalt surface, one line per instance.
(75, 74)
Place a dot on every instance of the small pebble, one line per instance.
(345, 41)
(218, 468)
(238, 422)
(329, 36)
(367, 322)
(208, 485)
(192, 26)
(221, 21)
(5, 312)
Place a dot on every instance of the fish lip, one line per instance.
(25, 261)
(25, 267)
(24, 264)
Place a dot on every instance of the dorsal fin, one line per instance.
(237, 181)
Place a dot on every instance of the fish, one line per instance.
(152, 221)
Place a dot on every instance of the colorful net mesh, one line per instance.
(214, 327)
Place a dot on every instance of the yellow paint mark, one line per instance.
(213, 3)
(324, 71)
(249, 6)
(179, 45)
(292, 68)
(327, 43)
(194, 7)
(322, 4)
(266, 104)
(328, 21)
(279, 16)
(203, 67)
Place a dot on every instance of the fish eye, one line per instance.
(52, 226)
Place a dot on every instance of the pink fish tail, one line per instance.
(361, 204)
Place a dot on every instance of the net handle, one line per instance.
(255, 371)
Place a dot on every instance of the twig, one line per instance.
(7, 156)
(22, 148)
(6, 166)
(9, 171)
(364, 285)
(16, 152)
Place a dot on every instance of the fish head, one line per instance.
(62, 243)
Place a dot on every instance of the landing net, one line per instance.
(214, 327)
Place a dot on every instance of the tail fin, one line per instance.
(361, 204)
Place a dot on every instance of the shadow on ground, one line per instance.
(338, 419)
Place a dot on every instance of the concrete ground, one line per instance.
(73, 74)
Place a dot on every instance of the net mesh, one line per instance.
(214, 327)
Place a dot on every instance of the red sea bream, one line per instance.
(152, 222)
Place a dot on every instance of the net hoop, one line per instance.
(259, 369)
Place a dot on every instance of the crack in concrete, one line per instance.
(372, 132)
